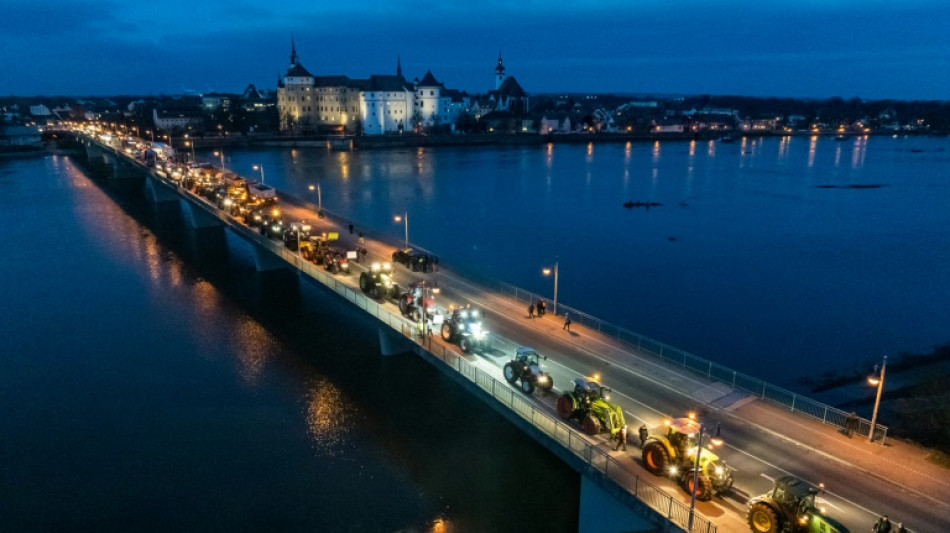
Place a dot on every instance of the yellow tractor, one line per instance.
(674, 455)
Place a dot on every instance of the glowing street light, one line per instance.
(876, 379)
(261, 168)
(220, 154)
(714, 441)
(404, 217)
(547, 271)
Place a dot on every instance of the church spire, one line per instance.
(500, 69)
(398, 65)
(293, 52)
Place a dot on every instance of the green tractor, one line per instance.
(790, 508)
(588, 403)
(673, 455)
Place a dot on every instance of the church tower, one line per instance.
(499, 72)
(293, 54)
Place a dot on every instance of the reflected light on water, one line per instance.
(711, 150)
(628, 150)
(860, 149)
(327, 417)
(344, 159)
(838, 156)
(656, 151)
(783, 147)
(812, 145)
(253, 344)
(590, 152)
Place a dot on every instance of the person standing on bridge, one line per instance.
(851, 424)
(567, 322)
(540, 308)
(621, 438)
(531, 310)
(901, 528)
(643, 433)
(883, 525)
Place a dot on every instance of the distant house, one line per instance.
(214, 101)
(669, 125)
(713, 122)
(40, 111)
(169, 119)
(556, 123)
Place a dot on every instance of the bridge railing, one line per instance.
(645, 491)
(713, 371)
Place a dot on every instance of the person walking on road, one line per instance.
(644, 433)
(540, 308)
(531, 310)
(622, 438)
(883, 525)
(567, 322)
(851, 424)
(901, 528)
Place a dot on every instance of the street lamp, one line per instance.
(404, 217)
(714, 441)
(261, 168)
(220, 154)
(547, 272)
(876, 379)
(192, 145)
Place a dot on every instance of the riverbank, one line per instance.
(915, 402)
(410, 140)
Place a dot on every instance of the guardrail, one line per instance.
(714, 371)
(648, 493)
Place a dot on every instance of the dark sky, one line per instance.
(811, 48)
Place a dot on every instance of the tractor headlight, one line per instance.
(542, 379)
(719, 471)
(228, 202)
(673, 471)
(803, 520)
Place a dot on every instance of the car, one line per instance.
(412, 259)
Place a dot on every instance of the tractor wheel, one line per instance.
(417, 315)
(404, 306)
(396, 291)
(763, 519)
(333, 268)
(527, 386)
(703, 488)
(510, 375)
(379, 292)
(655, 457)
(447, 333)
(365, 285)
(565, 406)
(465, 344)
(590, 424)
(307, 254)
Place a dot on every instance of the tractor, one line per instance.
(335, 262)
(673, 455)
(296, 234)
(790, 508)
(464, 327)
(421, 296)
(526, 367)
(589, 404)
(378, 282)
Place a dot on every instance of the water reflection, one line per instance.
(329, 417)
(860, 149)
(812, 146)
(656, 152)
(838, 155)
(711, 150)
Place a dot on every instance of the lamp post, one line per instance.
(547, 272)
(192, 145)
(876, 379)
(715, 441)
(220, 154)
(261, 168)
(404, 217)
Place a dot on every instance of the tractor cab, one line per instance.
(590, 389)
(528, 357)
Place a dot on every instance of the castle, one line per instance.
(380, 104)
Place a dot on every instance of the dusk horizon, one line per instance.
(871, 51)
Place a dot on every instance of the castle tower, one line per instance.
(293, 54)
(398, 65)
(499, 72)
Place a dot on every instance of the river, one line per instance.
(153, 381)
(762, 257)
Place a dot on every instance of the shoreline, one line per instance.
(370, 142)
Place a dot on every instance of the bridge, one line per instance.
(768, 431)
